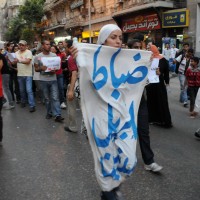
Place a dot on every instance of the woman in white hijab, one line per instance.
(117, 162)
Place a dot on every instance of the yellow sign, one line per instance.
(175, 18)
(86, 34)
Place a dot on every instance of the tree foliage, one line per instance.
(32, 11)
(15, 27)
(23, 26)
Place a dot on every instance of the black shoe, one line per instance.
(4, 100)
(59, 118)
(66, 128)
(23, 105)
(48, 116)
(115, 194)
(168, 125)
(197, 134)
(32, 109)
(108, 195)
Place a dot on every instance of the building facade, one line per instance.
(193, 33)
(84, 18)
(9, 9)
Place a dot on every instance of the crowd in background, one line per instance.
(18, 90)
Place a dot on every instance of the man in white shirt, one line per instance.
(184, 62)
(173, 51)
(167, 52)
(172, 65)
(25, 75)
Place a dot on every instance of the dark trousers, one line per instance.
(1, 120)
(14, 83)
(192, 93)
(143, 133)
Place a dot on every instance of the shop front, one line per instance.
(147, 22)
(175, 23)
(94, 32)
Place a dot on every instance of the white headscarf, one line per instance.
(106, 31)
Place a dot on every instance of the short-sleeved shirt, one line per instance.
(173, 52)
(167, 53)
(24, 69)
(182, 64)
(72, 64)
(45, 76)
(61, 55)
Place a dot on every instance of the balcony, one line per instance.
(124, 7)
(54, 4)
(73, 22)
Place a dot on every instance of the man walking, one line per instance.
(25, 75)
(49, 84)
(71, 101)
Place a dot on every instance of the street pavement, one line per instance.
(40, 161)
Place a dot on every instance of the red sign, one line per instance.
(141, 23)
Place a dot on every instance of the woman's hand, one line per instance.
(43, 68)
(158, 72)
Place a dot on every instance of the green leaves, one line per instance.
(22, 26)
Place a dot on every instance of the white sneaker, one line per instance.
(63, 106)
(10, 107)
(154, 167)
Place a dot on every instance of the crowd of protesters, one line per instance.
(25, 80)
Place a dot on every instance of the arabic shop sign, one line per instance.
(76, 4)
(175, 18)
(141, 23)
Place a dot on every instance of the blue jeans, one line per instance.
(25, 87)
(172, 66)
(183, 94)
(60, 87)
(50, 92)
(6, 88)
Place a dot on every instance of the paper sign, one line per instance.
(11, 56)
(52, 63)
(152, 76)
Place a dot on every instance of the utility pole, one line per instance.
(89, 15)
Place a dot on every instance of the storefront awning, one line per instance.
(136, 8)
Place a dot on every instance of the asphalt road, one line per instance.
(40, 161)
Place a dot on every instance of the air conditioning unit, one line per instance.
(84, 11)
(63, 21)
(102, 9)
(92, 9)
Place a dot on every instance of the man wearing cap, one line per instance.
(25, 75)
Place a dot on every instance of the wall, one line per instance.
(198, 31)
(193, 31)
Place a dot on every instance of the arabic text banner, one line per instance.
(141, 23)
(111, 84)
